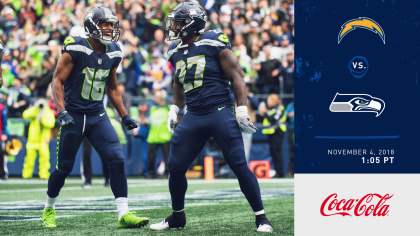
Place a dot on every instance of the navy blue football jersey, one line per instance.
(85, 87)
(198, 69)
(1, 46)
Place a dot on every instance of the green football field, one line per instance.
(217, 208)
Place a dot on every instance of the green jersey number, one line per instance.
(199, 71)
(93, 85)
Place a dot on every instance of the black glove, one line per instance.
(129, 122)
(66, 120)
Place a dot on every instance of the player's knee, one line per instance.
(114, 156)
(236, 158)
(172, 164)
(117, 168)
(65, 168)
(177, 174)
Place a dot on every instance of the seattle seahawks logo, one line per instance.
(357, 103)
(199, 14)
(361, 22)
(89, 15)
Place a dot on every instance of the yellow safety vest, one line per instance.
(267, 123)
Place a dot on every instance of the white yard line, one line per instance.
(150, 183)
(137, 181)
(32, 217)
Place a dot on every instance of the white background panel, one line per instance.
(404, 207)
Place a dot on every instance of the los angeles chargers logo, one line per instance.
(357, 103)
(361, 22)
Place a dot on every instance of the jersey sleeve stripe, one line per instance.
(114, 54)
(79, 48)
(210, 42)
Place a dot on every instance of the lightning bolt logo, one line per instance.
(361, 22)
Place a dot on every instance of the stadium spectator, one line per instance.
(285, 48)
(42, 83)
(10, 61)
(131, 71)
(214, 22)
(51, 103)
(42, 120)
(8, 76)
(158, 74)
(158, 137)
(11, 23)
(18, 99)
(126, 98)
(287, 71)
(143, 132)
(274, 118)
(268, 74)
(245, 66)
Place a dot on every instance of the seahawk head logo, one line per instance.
(357, 103)
(361, 22)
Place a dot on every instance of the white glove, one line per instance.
(172, 118)
(244, 121)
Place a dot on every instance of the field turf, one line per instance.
(217, 208)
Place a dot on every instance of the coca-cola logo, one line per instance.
(367, 205)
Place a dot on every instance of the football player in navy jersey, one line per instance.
(204, 68)
(86, 70)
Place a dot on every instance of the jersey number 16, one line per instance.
(97, 88)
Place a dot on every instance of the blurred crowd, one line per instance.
(32, 32)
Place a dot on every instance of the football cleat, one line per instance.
(263, 224)
(176, 220)
(160, 226)
(86, 186)
(48, 218)
(265, 228)
(131, 221)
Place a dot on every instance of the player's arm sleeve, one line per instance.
(221, 42)
(118, 56)
(117, 61)
(69, 47)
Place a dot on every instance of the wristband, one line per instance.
(174, 108)
(242, 111)
(63, 111)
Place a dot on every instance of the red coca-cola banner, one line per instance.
(356, 207)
